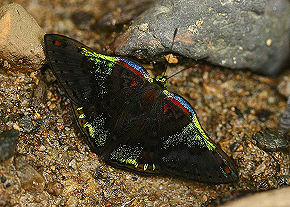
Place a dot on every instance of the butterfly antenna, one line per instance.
(171, 47)
(177, 73)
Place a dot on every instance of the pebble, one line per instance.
(82, 19)
(30, 179)
(263, 114)
(3, 179)
(73, 164)
(8, 142)
(39, 92)
(284, 85)
(54, 188)
(284, 180)
(20, 39)
(108, 204)
(234, 146)
(26, 124)
(52, 106)
(72, 202)
(285, 119)
(42, 148)
(271, 141)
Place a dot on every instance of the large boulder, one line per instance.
(236, 34)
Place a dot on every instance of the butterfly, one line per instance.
(131, 120)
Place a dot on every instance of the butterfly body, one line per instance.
(131, 120)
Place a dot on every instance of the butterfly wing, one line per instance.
(104, 91)
(192, 154)
(129, 121)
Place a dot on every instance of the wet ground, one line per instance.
(53, 166)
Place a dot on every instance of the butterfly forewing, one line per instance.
(131, 122)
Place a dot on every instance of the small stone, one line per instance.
(271, 141)
(36, 116)
(26, 124)
(234, 146)
(39, 92)
(20, 39)
(82, 19)
(42, 148)
(285, 119)
(72, 202)
(16, 127)
(172, 59)
(284, 85)
(73, 164)
(263, 114)
(48, 94)
(108, 204)
(34, 78)
(48, 76)
(54, 188)
(3, 179)
(239, 113)
(240, 148)
(284, 180)
(30, 179)
(8, 142)
(52, 106)
(260, 169)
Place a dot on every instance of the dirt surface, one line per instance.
(53, 166)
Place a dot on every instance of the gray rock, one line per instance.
(271, 141)
(8, 141)
(235, 34)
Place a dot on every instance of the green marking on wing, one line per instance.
(130, 161)
(101, 138)
(90, 128)
(99, 60)
(192, 135)
(196, 125)
(99, 57)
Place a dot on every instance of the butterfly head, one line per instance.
(161, 81)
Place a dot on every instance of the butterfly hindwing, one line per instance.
(191, 153)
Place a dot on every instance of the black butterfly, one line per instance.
(131, 120)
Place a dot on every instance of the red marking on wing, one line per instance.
(227, 170)
(57, 43)
(132, 69)
(166, 107)
(133, 83)
(177, 103)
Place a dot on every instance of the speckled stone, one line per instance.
(26, 124)
(271, 141)
(8, 141)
